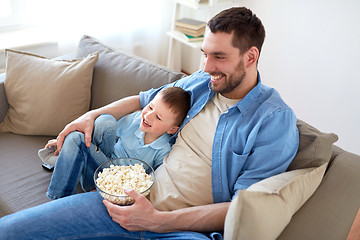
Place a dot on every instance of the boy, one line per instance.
(143, 135)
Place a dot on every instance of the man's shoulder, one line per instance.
(272, 98)
(268, 102)
(195, 79)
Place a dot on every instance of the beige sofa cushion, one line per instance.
(263, 210)
(45, 94)
(315, 147)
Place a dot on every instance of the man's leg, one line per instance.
(80, 216)
(76, 161)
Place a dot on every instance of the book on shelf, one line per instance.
(190, 24)
(194, 39)
(188, 38)
(193, 33)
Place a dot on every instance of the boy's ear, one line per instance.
(172, 130)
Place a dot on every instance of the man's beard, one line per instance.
(233, 81)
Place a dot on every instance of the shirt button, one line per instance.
(187, 116)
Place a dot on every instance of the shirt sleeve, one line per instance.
(190, 84)
(272, 149)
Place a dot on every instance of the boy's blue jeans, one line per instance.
(76, 162)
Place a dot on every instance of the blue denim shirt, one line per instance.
(255, 139)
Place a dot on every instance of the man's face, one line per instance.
(223, 62)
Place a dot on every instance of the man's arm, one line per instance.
(142, 216)
(85, 123)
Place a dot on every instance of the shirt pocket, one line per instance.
(238, 161)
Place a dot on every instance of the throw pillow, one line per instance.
(45, 94)
(119, 74)
(263, 210)
(315, 147)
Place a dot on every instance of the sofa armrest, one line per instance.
(4, 105)
(331, 210)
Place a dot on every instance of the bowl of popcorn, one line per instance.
(112, 177)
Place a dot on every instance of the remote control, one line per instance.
(48, 167)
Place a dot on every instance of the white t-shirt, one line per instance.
(184, 178)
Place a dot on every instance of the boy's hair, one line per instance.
(178, 100)
(246, 26)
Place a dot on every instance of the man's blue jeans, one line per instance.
(77, 163)
(80, 216)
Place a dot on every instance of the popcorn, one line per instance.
(115, 179)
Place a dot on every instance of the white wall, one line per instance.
(312, 56)
(137, 26)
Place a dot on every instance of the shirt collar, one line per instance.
(157, 144)
(245, 104)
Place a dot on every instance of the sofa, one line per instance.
(328, 212)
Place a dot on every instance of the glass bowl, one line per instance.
(107, 190)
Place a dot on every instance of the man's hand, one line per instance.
(141, 216)
(84, 124)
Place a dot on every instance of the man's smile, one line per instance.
(216, 78)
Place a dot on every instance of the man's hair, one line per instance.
(178, 100)
(246, 26)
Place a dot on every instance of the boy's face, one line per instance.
(223, 62)
(157, 118)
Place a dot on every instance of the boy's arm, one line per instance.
(85, 123)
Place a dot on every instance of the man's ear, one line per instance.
(252, 55)
(172, 130)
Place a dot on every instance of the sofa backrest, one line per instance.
(118, 74)
(315, 147)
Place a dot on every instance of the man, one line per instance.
(237, 132)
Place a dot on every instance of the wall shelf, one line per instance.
(178, 36)
(177, 39)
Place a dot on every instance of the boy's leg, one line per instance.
(77, 161)
(104, 134)
(80, 216)
(100, 151)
